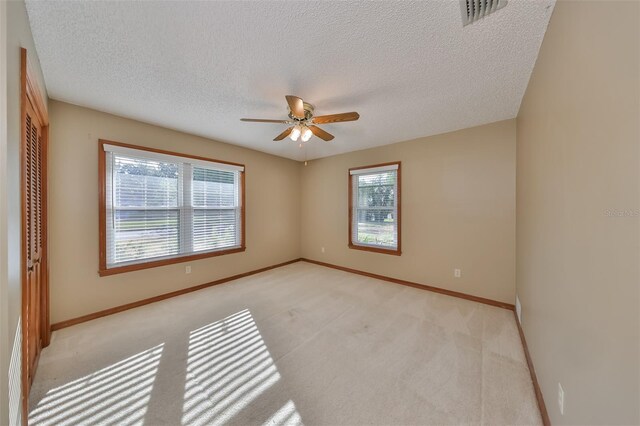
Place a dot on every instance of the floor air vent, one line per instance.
(473, 10)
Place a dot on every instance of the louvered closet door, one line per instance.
(34, 238)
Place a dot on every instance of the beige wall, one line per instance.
(578, 280)
(458, 211)
(18, 34)
(577, 160)
(272, 216)
(4, 305)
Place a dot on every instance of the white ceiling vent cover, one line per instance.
(473, 10)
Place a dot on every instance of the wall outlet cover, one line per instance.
(518, 310)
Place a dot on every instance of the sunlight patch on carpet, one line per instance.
(285, 416)
(117, 394)
(228, 367)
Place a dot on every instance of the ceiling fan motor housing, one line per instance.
(308, 112)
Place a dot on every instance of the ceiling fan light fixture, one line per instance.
(295, 133)
(306, 134)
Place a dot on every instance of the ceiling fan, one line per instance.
(304, 122)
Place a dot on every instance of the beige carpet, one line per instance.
(301, 344)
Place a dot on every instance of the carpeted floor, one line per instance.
(301, 344)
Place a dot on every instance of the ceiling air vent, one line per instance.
(473, 10)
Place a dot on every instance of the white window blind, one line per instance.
(160, 206)
(374, 215)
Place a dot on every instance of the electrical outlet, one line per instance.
(187, 269)
(322, 249)
(457, 273)
(561, 399)
(519, 310)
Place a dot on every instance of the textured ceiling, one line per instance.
(409, 68)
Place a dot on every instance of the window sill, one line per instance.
(394, 252)
(153, 264)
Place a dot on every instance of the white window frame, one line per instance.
(185, 208)
(354, 208)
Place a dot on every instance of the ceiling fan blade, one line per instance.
(321, 133)
(284, 134)
(336, 118)
(260, 120)
(296, 105)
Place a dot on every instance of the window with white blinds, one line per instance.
(374, 208)
(160, 206)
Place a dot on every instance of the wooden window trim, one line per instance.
(103, 270)
(397, 251)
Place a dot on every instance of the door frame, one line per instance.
(30, 92)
